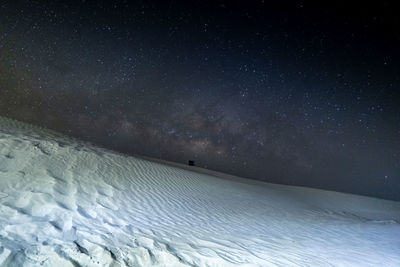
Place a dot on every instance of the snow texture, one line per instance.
(64, 202)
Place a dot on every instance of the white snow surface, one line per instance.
(64, 202)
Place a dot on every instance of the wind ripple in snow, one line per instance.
(67, 203)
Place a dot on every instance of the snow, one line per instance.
(64, 202)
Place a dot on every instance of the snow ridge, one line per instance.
(64, 202)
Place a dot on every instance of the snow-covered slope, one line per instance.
(67, 203)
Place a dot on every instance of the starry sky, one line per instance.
(286, 92)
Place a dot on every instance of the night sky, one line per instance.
(290, 93)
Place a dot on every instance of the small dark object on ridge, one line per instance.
(191, 163)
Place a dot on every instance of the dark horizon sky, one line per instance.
(286, 92)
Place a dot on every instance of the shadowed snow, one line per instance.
(64, 202)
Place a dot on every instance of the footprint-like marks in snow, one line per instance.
(87, 213)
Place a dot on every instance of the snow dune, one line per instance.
(64, 202)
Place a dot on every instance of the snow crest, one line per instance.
(64, 202)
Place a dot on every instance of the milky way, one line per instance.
(288, 93)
